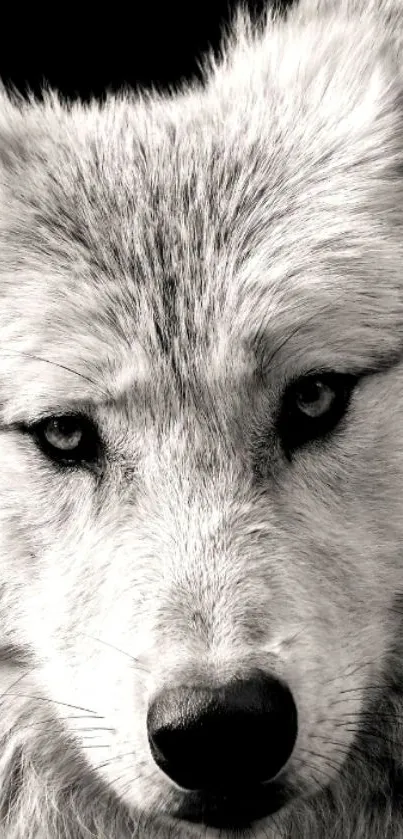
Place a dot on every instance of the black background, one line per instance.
(84, 51)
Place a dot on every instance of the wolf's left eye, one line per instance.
(312, 408)
(70, 439)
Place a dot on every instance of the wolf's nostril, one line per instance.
(219, 738)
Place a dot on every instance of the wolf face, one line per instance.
(201, 442)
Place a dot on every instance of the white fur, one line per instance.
(174, 262)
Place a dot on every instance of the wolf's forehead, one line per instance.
(194, 239)
(189, 243)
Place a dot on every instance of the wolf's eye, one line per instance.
(69, 439)
(313, 397)
(312, 408)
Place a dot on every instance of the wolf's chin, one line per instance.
(236, 811)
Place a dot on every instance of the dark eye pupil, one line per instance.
(63, 433)
(314, 398)
(65, 425)
(310, 392)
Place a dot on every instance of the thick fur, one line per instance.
(169, 264)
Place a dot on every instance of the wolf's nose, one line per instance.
(220, 738)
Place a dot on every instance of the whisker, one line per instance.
(49, 720)
(16, 682)
(118, 649)
(23, 354)
(95, 728)
(96, 745)
(116, 757)
(361, 690)
(55, 702)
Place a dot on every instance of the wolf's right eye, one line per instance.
(69, 439)
(312, 408)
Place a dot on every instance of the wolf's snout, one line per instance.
(220, 738)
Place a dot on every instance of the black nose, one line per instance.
(220, 738)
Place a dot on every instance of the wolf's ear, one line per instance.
(14, 145)
(25, 123)
(387, 14)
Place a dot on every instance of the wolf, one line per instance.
(201, 444)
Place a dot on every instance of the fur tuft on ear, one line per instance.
(337, 96)
(383, 16)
